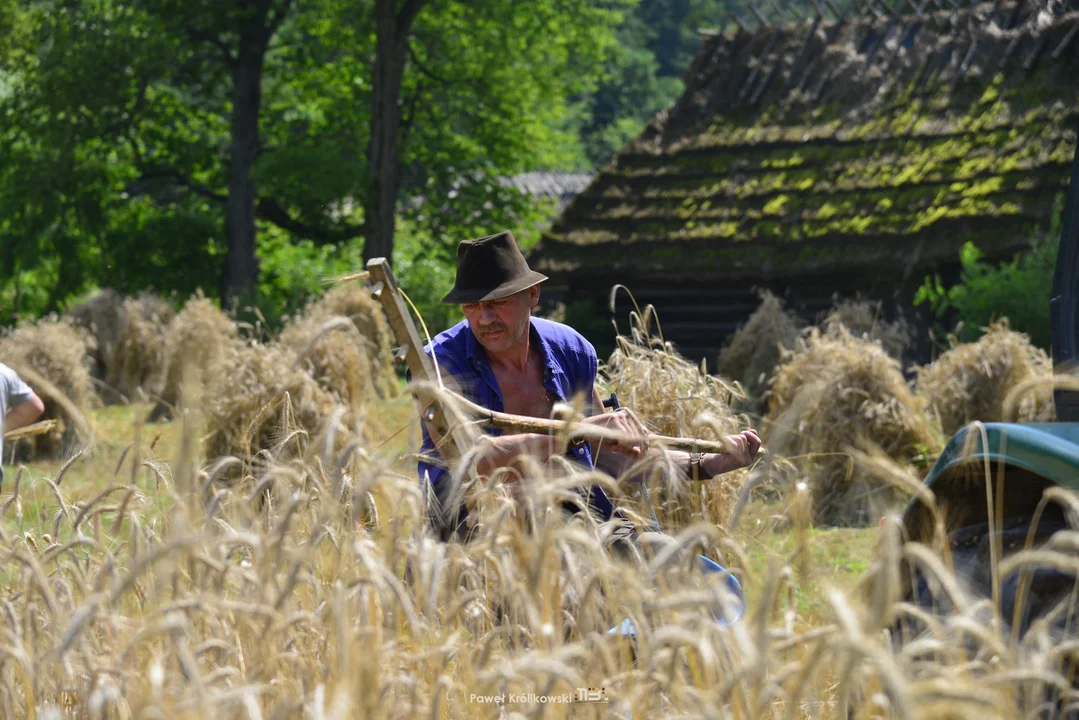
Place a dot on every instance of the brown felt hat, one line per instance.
(490, 268)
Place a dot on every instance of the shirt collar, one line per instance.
(476, 357)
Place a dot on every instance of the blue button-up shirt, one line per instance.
(570, 369)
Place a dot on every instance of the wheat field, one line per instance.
(147, 578)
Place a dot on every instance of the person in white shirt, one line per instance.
(19, 406)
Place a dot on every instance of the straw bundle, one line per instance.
(51, 357)
(195, 346)
(666, 391)
(972, 380)
(266, 399)
(138, 361)
(863, 319)
(100, 318)
(354, 366)
(751, 354)
(838, 392)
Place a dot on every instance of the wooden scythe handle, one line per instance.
(456, 436)
(523, 423)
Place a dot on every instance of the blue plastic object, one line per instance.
(708, 567)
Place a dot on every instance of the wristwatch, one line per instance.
(695, 466)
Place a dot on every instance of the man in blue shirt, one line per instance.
(503, 359)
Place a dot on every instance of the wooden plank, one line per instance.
(908, 26)
(945, 59)
(917, 10)
(1039, 45)
(800, 58)
(760, 18)
(1067, 39)
(1015, 18)
(1012, 45)
(755, 97)
(757, 66)
(888, 28)
(738, 21)
(830, 37)
(38, 428)
(780, 13)
(968, 59)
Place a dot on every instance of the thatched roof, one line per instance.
(880, 143)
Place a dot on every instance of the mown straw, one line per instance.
(865, 319)
(751, 354)
(673, 396)
(291, 607)
(837, 392)
(197, 342)
(355, 366)
(265, 399)
(139, 358)
(127, 342)
(973, 380)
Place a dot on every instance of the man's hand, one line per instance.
(744, 448)
(632, 435)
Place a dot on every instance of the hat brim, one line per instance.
(458, 296)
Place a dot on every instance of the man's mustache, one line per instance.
(492, 328)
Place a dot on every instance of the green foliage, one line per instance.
(117, 135)
(632, 92)
(643, 73)
(293, 272)
(1017, 290)
(426, 275)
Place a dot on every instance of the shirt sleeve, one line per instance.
(589, 369)
(16, 390)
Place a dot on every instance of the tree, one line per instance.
(643, 74)
(141, 123)
(394, 26)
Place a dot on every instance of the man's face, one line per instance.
(502, 324)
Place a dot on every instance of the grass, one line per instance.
(836, 558)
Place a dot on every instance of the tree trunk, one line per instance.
(241, 262)
(382, 155)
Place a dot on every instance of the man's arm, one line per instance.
(24, 413)
(510, 451)
(744, 444)
(23, 404)
(502, 451)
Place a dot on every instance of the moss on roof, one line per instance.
(842, 145)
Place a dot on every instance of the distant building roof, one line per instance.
(881, 142)
(560, 186)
